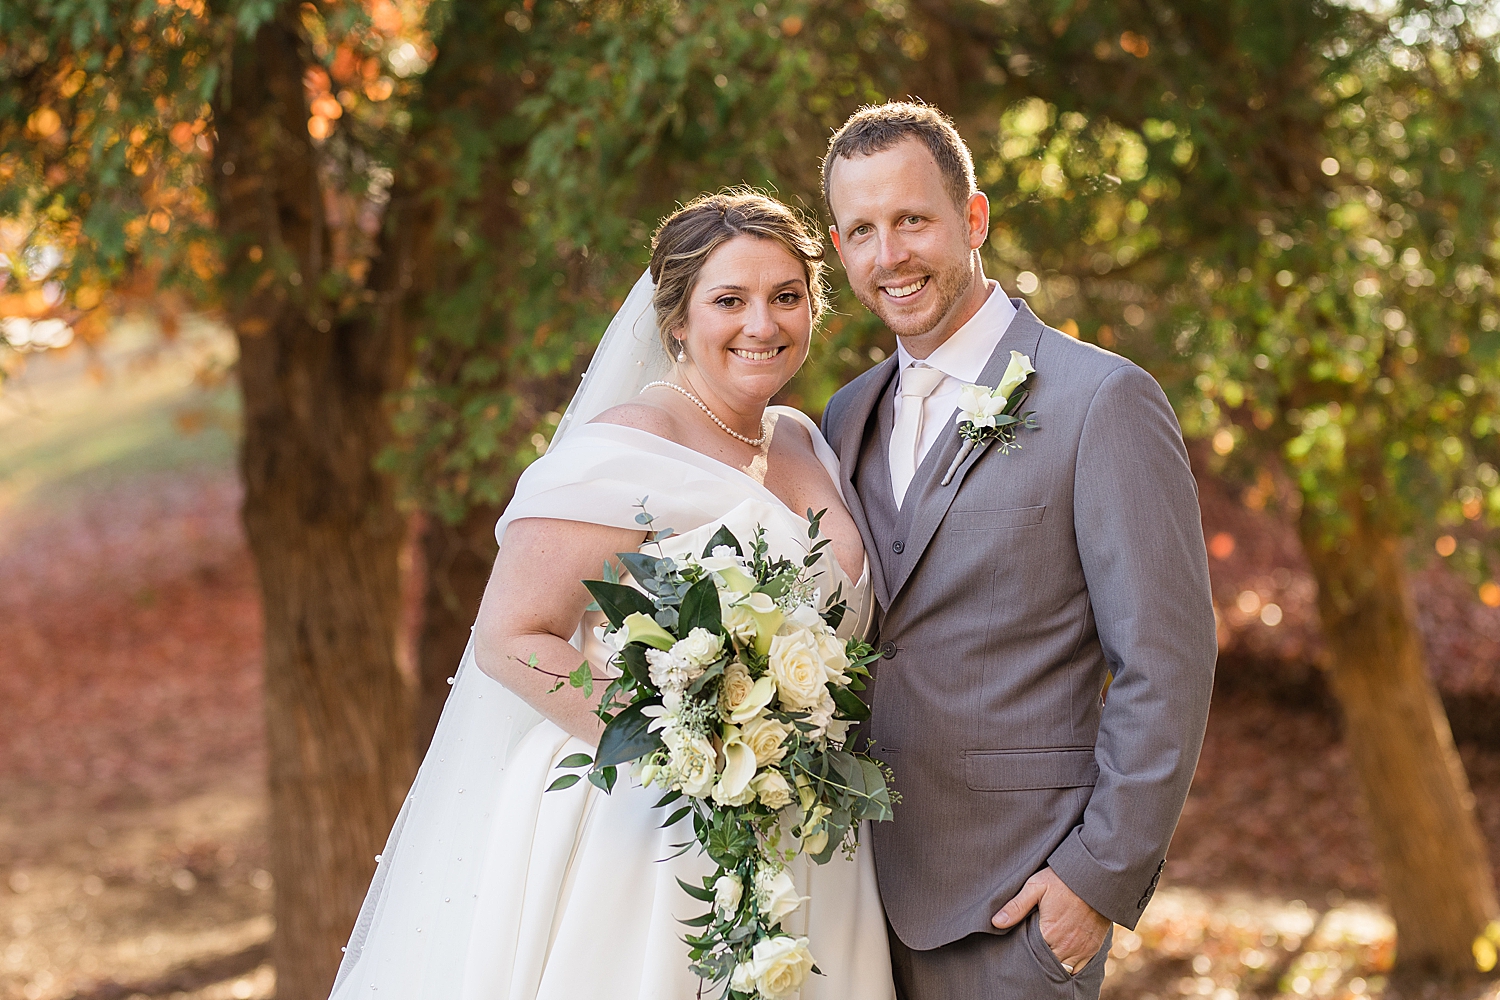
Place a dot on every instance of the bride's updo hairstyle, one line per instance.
(688, 236)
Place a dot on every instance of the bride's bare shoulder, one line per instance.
(643, 415)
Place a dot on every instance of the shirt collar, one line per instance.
(964, 355)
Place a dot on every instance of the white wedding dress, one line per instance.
(491, 889)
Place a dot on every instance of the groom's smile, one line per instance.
(906, 291)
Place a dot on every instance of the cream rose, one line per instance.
(780, 965)
(772, 790)
(766, 737)
(775, 893)
(797, 669)
(740, 698)
(728, 890)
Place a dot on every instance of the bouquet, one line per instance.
(734, 696)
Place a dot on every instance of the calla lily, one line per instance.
(638, 628)
(736, 579)
(1015, 373)
(733, 787)
(760, 696)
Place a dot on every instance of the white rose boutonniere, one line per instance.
(988, 415)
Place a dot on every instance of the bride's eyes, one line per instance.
(728, 301)
(789, 298)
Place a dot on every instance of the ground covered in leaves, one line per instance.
(132, 816)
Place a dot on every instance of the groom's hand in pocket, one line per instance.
(1073, 929)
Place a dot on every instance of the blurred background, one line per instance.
(291, 292)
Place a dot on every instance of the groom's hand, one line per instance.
(1073, 929)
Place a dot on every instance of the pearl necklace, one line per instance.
(752, 442)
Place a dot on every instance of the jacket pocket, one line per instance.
(982, 520)
(1021, 770)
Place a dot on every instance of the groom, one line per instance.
(1046, 626)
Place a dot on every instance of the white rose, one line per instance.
(734, 688)
(797, 669)
(766, 737)
(775, 893)
(780, 965)
(668, 671)
(814, 842)
(728, 889)
(739, 703)
(772, 790)
(700, 648)
(832, 651)
(733, 787)
(692, 761)
(838, 731)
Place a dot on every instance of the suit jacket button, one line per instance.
(898, 546)
(888, 650)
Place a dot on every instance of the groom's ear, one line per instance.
(979, 220)
(833, 234)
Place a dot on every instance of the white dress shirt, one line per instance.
(961, 358)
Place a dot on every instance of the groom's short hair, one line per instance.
(875, 128)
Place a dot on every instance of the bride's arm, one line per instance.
(532, 606)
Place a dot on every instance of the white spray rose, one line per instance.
(697, 650)
(728, 889)
(797, 669)
(740, 698)
(780, 965)
(838, 730)
(775, 893)
(806, 617)
(772, 790)
(742, 980)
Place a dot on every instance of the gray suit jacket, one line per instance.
(1007, 599)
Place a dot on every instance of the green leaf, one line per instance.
(566, 781)
(626, 738)
(576, 760)
(582, 676)
(641, 566)
(702, 921)
(722, 537)
(634, 656)
(707, 895)
(700, 608)
(618, 601)
(676, 816)
(850, 705)
(603, 779)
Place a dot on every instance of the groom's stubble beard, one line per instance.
(953, 283)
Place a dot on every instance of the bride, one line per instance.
(491, 889)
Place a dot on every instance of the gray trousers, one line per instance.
(1017, 965)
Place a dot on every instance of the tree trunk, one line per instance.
(458, 559)
(1437, 874)
(323, 526)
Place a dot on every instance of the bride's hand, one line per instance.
(533, 605)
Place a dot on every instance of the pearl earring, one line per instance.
(681, 352)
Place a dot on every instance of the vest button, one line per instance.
(898, 546)
(888, 650)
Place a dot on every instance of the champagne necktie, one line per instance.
(917, 383)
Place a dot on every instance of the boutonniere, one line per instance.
(988, 415)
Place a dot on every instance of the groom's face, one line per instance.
(907, 247)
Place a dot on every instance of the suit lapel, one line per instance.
(848, 447)
(1023, 334)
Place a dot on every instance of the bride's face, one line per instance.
(749, 322)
